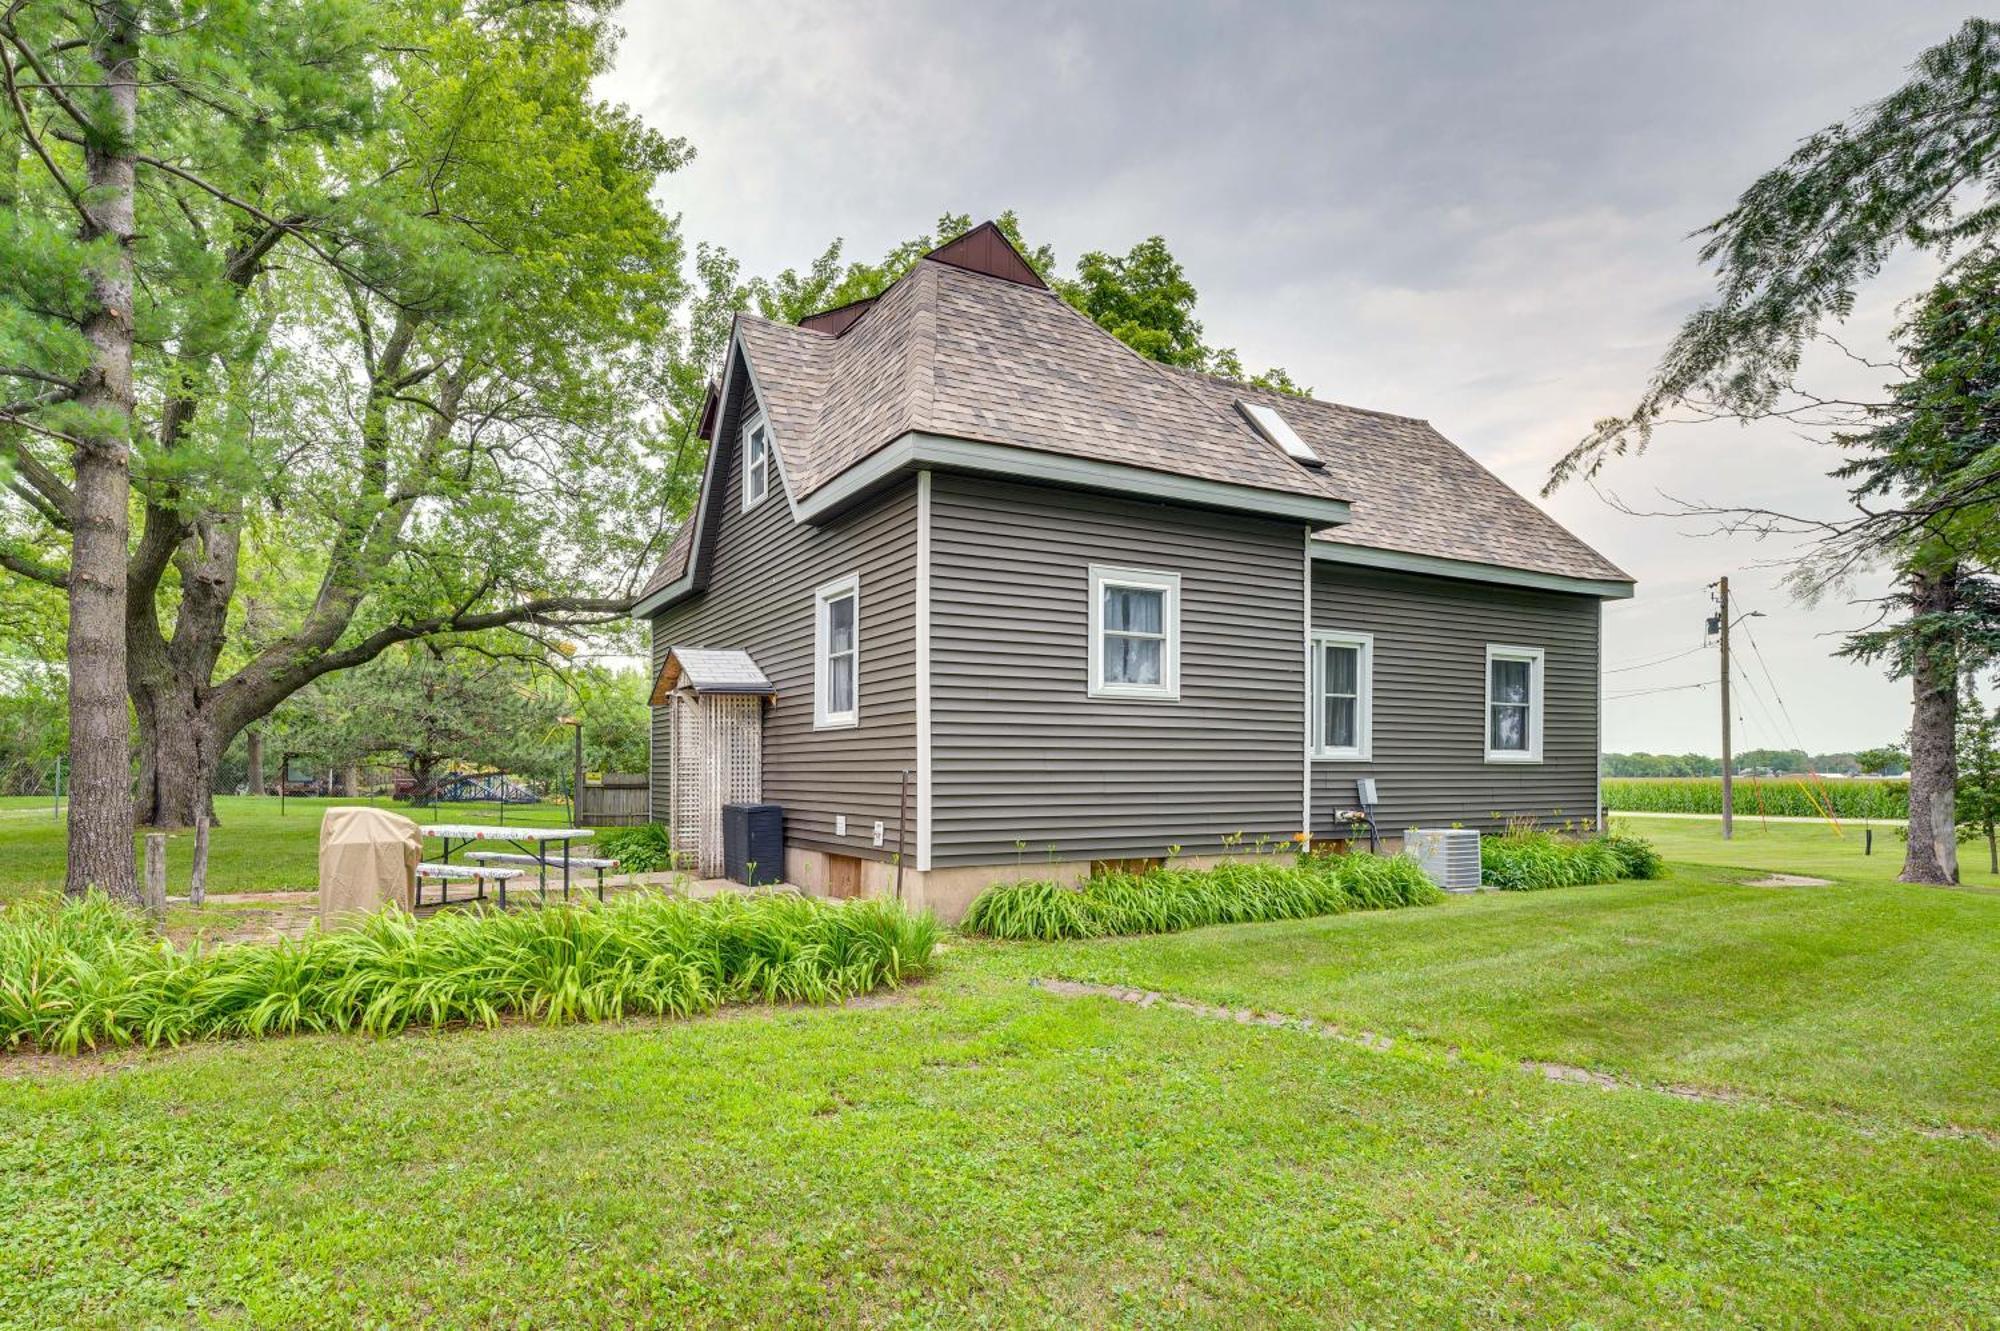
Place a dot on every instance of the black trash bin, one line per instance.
(753, 843)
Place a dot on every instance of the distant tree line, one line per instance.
(1886, 761)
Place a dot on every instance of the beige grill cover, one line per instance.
(367, 860)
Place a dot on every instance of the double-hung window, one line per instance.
(757, 463)
(1135, 633)
(837, 654)
(1513, 704)
(1343, 689)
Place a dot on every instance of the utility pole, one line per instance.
(1728, 760)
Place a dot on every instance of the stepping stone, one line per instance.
(1788, 880)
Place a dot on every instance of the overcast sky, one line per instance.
(1477, 214)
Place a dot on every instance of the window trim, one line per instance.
(838, 590)
(1537, 660)
(751, 426)
(1363, 749)
(1169, 584)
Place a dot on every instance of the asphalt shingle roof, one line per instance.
(957, 353)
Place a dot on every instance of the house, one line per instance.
(1018, 600)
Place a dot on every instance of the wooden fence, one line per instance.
(619, 800)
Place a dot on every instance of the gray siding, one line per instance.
(759, 597)
(1429, 753)
(1021, 752)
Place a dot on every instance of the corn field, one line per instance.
(1777, 796)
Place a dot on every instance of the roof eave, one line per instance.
(1401, 561)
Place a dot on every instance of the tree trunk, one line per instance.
(1932, 856)
(350, 781)
(180, 749)
(100, 755)
(253, 745)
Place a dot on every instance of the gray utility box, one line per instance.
(753, 843)
(1449, 855)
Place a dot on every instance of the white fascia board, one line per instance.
(680, 586)
(917, 449)
(1337, 552)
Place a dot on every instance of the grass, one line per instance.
(255, 847)
(83, 974)
(976, 1152)
(1816, 849)
(1167, 900)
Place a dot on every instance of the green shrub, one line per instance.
(76, 975)
(1527, 861)
(1637, 856)
(1781, 796)
(1169, 900)
(642, 849)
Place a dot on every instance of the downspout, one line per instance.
(1306, 708)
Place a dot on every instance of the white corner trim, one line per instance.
(838, 589)
(923, 671)
(1364, 698)
(1339, 552)
(1169, 584)
(1306, 736)
(1536, 659)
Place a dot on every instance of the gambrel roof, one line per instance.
(968, 360)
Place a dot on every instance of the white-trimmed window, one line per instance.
(1343, 695)
(837, 654)
(1135, 633)
(1513, 704)
(757, 461)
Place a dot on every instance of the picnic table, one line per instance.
(457, 836)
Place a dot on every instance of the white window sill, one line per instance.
(1135, 693)
(1504, 759)
(1342, 756)
(848, 722)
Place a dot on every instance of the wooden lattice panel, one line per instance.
(718, 759)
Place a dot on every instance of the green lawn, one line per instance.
(255, 847)
(1816, 849)
(979, 1152)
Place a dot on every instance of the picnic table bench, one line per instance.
(565, 862)
(444, 874)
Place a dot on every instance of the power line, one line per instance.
(1670, 688)
(1643, 665)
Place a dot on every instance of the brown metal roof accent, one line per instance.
(985, 249)
(840, 318)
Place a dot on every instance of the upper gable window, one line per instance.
(1135, 633)
(757, 462)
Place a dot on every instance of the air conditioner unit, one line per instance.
(1448, 855)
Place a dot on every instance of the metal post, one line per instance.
(1728, 762)
(284, 773)
(58, 809)
(576, 775)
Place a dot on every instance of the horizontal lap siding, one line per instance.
(763, 572)
(1019, 750)
(1429, 754)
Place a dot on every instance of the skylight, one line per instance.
(1267, 422)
